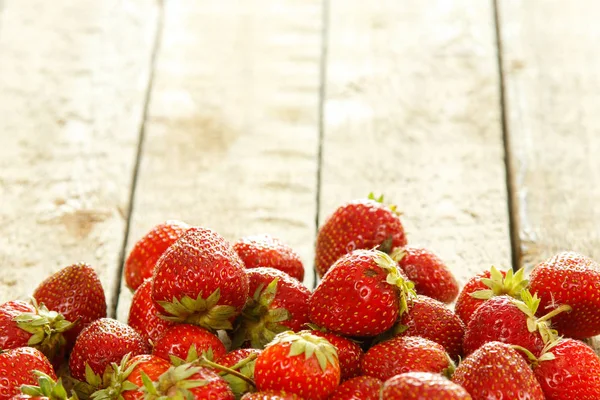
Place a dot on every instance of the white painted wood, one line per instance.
(73, 78)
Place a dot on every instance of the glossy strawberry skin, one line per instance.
(360, 224)
(102, 342)
(267, 251)
(75, 292)
(358, 388)
(354, 299)
(16, 366)
(574, 373)
(144, 314)
(404, 354)
(430, 275)
(152, 366)
(178, 339)
(141, 261)
(349, 353)
(431, 319)
(235, 356)
(12, 336)
(466, 304)
(215, 389)
(573, 279)
(422, 385)
(270, 395)
(496, 371)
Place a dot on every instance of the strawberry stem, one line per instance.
(555, 312)
(219, 367)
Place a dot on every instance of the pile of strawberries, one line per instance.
(211, 320)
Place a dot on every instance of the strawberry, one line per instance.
(278, 303)
(422, 385)
(187, 382)
(16, 369)
(143, 314)
(362, 294)
(299, 363)
(200, 280)
(187, 342)
(142, 258)
(102, 342)
(497, 371)
(76, 293)
(348, 351)
(360, 388)
(359, 224)
(270, 395)
(429, 274)
(46, 388)
(405, 354)
(572, 279)
(242, 361)
(267, 251)
(484, 286)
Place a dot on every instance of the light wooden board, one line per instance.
(413, 111)
(551, 69)
(232, 134)
(73, 78)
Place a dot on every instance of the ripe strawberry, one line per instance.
(405, 354)
(359, 388)
(76, 293)
(200, 280)
(349, 353)
(242, 361)
(143, 314)
(267, 251)
(299, 363)
(185, 340)
(429, 274)
(484, 286)
(46, 388)
(573, 279)
(142, 259)
(270, 395)
(431, 319)
(278, 303)
(187, 382)
(361, 295)
(102, 342)
(422, 385)
(16, 369)
(497, 371)
(360, 224)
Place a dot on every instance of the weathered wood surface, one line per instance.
(232, 133)
(73, 77)
(412, 111)
(551, 68)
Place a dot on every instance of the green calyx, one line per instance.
(175, 383)
(512, 284)
(192, 356)
(114, 381)
(47, 387)
(394, 277)
(546, 354)
(46, 328)
(240, 376)
(393, 208)
(308, 344)
(203, 312)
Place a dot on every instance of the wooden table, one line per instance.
(479, 120)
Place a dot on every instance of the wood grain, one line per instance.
(232, 133)
(73, 78)
(551, 68)
(413, 111)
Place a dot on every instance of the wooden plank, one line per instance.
(73, 78)
(551, 70)
(232, 134)
(413, 111)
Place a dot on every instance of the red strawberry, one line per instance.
(361, 295)
(359, 388)
(278, 303)
(242, 361)
(431, 319)
(422, 385)
(267, 251)
(16, 369)
(76, 293)
(151, 365)
(200, 280)
(104, 341)
(299, 363)
(270, 395)
(405, 354)
(143, 314)
(572, 279)
(349, 353)
(187, 342)
(360, 224)
(46, 388)
(429, 274)
(142, 259)
(496, 371)
(484, 286)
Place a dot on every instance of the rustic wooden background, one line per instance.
(478, 118)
